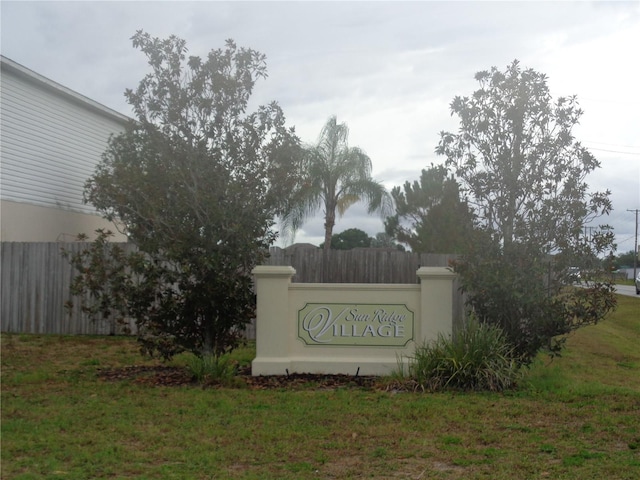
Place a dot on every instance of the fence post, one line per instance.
(272, 316)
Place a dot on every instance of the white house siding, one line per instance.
(51, 140)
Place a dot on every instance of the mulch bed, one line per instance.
(169, 376)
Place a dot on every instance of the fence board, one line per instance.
(35, 281)
(360, 265)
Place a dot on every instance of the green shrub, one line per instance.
(478, 358)
(529, 296)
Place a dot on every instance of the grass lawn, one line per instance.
(577, 417)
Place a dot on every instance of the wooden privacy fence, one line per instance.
(35, 279)
(360, 265)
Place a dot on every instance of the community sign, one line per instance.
(338, 324)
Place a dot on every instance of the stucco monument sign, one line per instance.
(346, 328)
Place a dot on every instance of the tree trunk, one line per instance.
(328, 231)
(514, 174)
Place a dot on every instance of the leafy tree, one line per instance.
(336, 177)
(384, 240)
(624, 259)
(430, 217)
(524, 174)
(349, 239)
(195, 183)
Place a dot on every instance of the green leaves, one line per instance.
(524, 173)
(106, 272)
(479, 357)
(430, 216)
(195, 184)
(349, 239)
(517, 158)
(334, 176)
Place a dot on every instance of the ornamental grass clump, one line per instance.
(211, 369)
(478, 358)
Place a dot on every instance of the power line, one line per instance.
(614, 151)
(616, 146)
(608, 100)
(612, 144)
(626, 239)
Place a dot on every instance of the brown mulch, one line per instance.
(170, 376)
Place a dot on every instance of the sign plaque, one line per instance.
(338, 324)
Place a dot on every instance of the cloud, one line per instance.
(388, 69)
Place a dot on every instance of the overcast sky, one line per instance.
(387, 69)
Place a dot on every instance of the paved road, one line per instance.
(628, 290)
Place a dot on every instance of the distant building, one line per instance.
(51, 139)
(626, 272)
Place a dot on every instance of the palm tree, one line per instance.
(335, 177)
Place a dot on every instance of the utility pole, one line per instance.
(635, 246)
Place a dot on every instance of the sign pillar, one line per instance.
(273, 333)
(436, 285)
